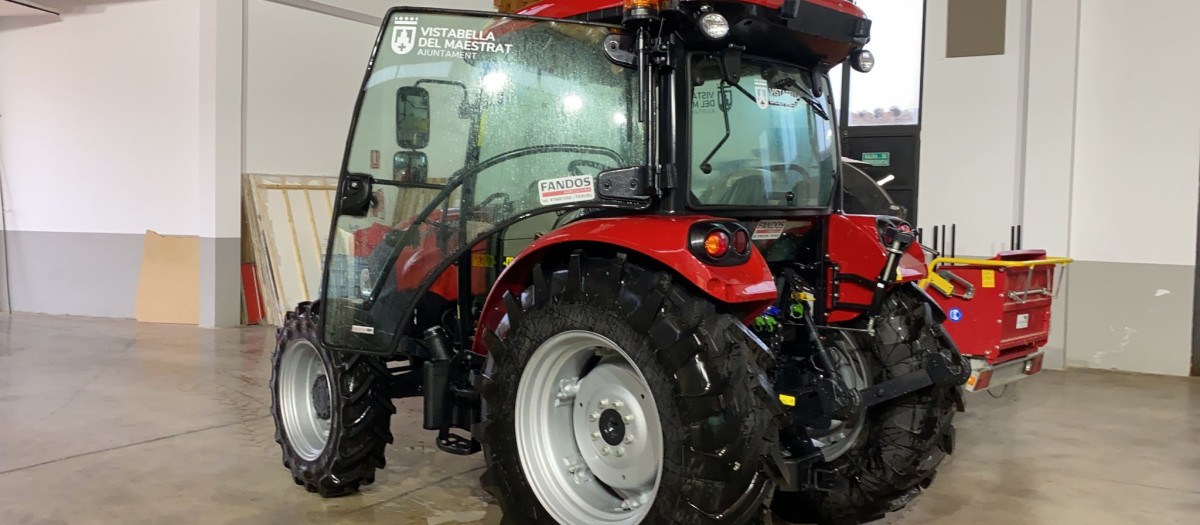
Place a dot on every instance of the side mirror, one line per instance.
(412, 117)
(410, 166)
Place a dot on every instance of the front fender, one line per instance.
(661, 238)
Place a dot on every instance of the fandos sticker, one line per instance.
(768, 230)
(566, 189)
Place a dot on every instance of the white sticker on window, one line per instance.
(762, 93)
(404, 34)
(1022, 321)
(369, 330)
(768, 230)
(447, 42)
(567, 189)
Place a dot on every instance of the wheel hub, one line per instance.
(840, 435)
(588, 431)
(320, 397)
(305, 399)
(612, 427)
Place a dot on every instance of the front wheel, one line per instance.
(613, 396)
(331, 409)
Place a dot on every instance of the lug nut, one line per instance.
(593, 416)
(628, 438)
(629, 418)
(604, 403)
(618, 404)
(605, 451)
(595, 436)
(620, 451)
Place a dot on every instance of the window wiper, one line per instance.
(725, 102)
(807, 96)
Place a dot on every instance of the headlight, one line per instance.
(714, 25)
(863, 61)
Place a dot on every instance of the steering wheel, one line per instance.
(751, 183)
(505, 205)
(573, 167)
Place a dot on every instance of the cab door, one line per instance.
(463, 122)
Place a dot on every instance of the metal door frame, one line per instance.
(914, 131)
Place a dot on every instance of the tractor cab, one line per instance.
(475, 134)
(606, 243)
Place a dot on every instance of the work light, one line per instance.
(714, 25)
(863, 61)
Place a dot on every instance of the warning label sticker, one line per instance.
(989, 279)
(768, 230)
(567, 189)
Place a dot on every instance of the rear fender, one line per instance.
(856, 257)
(664, 239)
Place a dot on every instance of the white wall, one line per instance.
(98, 119)
(1137, 150)
(1050, 125)
(1090, 137)
(970, 141)
(1049, 145)
(304, 69)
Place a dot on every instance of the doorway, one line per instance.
(880, 113)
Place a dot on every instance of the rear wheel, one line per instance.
(331, 409)
(614, 396)
(904, 440)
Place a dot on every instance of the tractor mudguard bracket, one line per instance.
(625, 184)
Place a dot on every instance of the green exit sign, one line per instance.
(878, 159)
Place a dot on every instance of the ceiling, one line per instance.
(25, 8)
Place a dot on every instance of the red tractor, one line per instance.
(610, 253)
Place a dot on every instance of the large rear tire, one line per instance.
(905, 439)
(692, 388)
(331, 409)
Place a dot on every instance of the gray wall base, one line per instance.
(1133, 317)
(220, 282)
(92, 274)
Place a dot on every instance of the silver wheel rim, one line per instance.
(302, 380)
(841, 436)
(589, 437)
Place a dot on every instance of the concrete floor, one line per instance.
(108, 421)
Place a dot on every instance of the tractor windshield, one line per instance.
(466, 124)
(765, 142)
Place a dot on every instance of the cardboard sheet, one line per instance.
(169, 284)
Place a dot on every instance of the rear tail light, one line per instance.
(981, 381)
(741, 241)
(720, 243)
(1034, 365)
(716, 244)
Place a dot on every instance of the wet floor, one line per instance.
(112, 421)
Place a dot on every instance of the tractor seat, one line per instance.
(740, 188)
